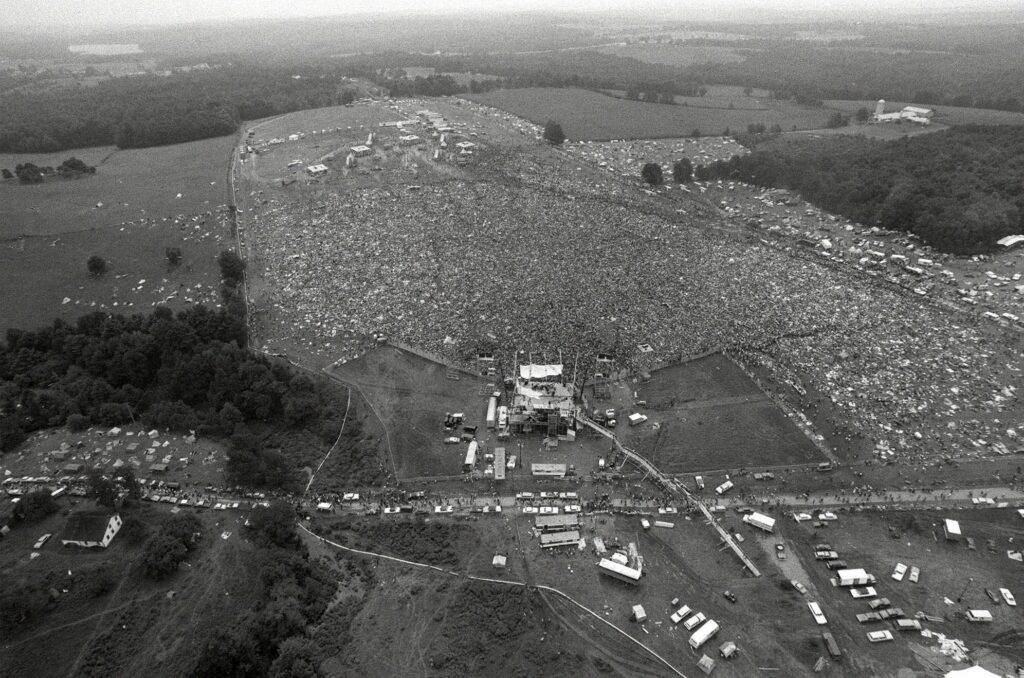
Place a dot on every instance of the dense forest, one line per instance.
(154, 110)
(960, 190)
(184, 372)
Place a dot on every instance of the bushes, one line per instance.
(169, 547)
(35, 506)
(162, 555)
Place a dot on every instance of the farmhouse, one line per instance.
(90, 530)
(914, 114)
(409, 140)
(316, 170)
(361, 151)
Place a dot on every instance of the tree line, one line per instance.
(153, 110)
(960, 190)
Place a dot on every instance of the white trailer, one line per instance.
(854, 577)
(724, 487)
(704, 634)
(470, 457)
(492, 412)
(760, 521)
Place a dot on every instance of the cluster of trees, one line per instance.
(152, 110)
(682, 171)
(960, 190)
(30, 173)
(270, 638)
(168, 548)
(181, 372)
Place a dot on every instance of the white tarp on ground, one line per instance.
(539, 371)
(972, 672)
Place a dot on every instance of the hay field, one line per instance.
(592, 116)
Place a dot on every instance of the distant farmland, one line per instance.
(949, 115)
(675, 55)
(590, 116)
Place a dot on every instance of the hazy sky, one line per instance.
(70, 13)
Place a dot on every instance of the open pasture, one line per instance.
(588, 115)
(706, 414)
(49, 231)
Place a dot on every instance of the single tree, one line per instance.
(863, 114)
(102, 489)
(173, 255)
(747, 91)
(553, 133)
(162, 555)
(682, 170)
(97, 265)
(651, 173)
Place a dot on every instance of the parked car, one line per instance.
(879, 636)
(899, 572)
(729, 596)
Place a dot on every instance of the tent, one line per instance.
(539, 371)
(972, 672)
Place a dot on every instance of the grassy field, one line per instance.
(675, 55)
(706, 415)
(412, 395)
(48, 231)
(587, 115)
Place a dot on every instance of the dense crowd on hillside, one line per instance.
(553, 259)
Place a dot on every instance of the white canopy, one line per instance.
(972, 672)
(539, 371)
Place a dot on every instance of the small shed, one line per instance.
(706, 664)
(499, 561)
(316, 170)
(72, 469)
(727, 649)
(951, 528)
(639, 614)
(158, 468)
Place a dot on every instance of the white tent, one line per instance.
(539, 371)
(972, 672)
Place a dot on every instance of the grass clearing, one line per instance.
(589, 115)
(706, 414)
(48, 231)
